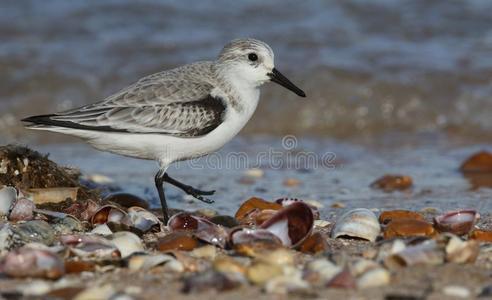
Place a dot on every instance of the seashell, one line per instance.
(126, 200)
(362, 266)
(390, 248)
(89, 246)
(96, 293)
(184, 221)
(146, 262)
(390, 183)
(478, 162)
(426, 253)
(53, 195)
(456, 291)
(260, 273)
(387, 216)
(357, 223)
(481, 235)
(343, 280)
(82, 210)
(408, 227)
(459, 251)
(8, 195)
(26, 262)
(127, 243)
(292, 224)
(288, 201)
(22, 210)
(316, 243)
(375, 277)
(33, 231)
(67, 225)
(5, 236)
(248, 235)
(210, 280)
(102, 229)
(107, 214)
(141, 219)
(459, 222)
(254, 204)
(177, 241)
(212, 234)
(320, 271)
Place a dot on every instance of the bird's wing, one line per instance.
(159, 103)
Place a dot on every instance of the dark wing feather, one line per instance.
(184, 119)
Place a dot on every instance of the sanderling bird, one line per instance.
(175, 115)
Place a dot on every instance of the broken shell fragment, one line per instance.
(408, 227)
(260, 273)
(288, 201)
(320, 271)
(481, 235)
(8, 195)
(177, 241)
(292, 224)
(248, 235)
(390, 183)
(146, 262)
(22, 210)
(459, 251)
(427, 253)
(107, 214)
(89, 246)
(387, 216)
(33, 231)
(53, 195)
(252, 204)
(358, 223)
(459, 222)
(314, 244)
(141, 219)
(183, 221)
(127, 243)
(26, 262)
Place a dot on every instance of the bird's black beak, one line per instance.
(277, 77)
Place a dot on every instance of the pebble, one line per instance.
(260, 273)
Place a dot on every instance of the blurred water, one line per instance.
(371, 68)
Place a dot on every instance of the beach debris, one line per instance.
(407, 228)
(426, 253)
(226, 221)
(143, 261)
(22, 210)
(53, 195)
(358, 223)
(35, 231)
(260, 273)
(90, 246)
(312, 204)
(459, 251)
(292, 224)
(177, 241)
(387, 216)
(478, 162)
(108, 214)
(142, 219)
(459, 222)
(392, 182)
(127, 243)
(315, 243)
(481, 235)
(320, 271)
(253, 205)
(27, 262)
(8, 196)
(456, 291)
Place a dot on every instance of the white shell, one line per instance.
(357, 223)
(8, 195)
(373, 278)
(127, 243)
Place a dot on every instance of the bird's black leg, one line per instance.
(189, 189)
(159, 184)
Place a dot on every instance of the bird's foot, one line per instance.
(198, 194)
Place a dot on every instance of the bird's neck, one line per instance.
(242, 95)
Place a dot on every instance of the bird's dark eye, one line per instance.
(252, 57)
